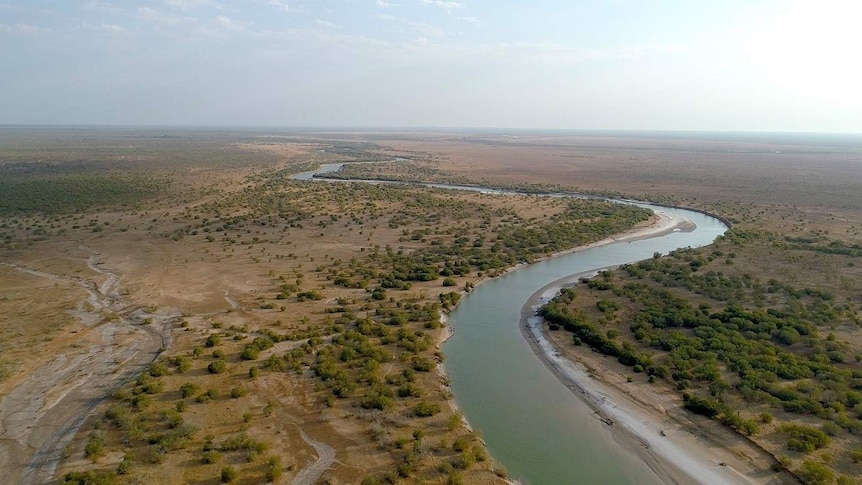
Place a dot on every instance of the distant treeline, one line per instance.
(62, 194)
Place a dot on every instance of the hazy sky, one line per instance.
(612, 64)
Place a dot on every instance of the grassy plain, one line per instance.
(321, 301)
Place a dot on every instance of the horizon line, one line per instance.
(429, 128)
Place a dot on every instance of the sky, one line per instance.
(727, 65)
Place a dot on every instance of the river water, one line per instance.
(531, 422)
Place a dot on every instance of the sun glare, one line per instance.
(811, 50)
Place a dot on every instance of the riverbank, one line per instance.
(670, 465)
(658, 225)
(647, 419)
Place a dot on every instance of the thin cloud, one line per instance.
(26, 10)
(152, 15)
(190, 4)
(384, 4)
(420, 29)
(219, 27)
(323, 36)
(230, 24)
(113, 28)
(100, 6)
(471, 20)
(444, 4)
(552, 51)
(427, 30)
(283, 6)
(327, 24)
(26, 29)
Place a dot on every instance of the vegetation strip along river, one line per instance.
(531, 421)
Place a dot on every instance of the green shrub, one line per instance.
(173, 419)
(157, 369)
(274, 469)
(149, 385)
(228, 474)
(250, 352)
(409, 390)
(89, 478)
(309, 295)
(702, 405)
(213, 340)
(464, 460)
(813, 473)
(805, 438)
(830, 428)
(378, 398)
(188, 389)
(141, 401)
(422, 365)
(217, 366)
(95, 445)
(125, 466)
(461, 444)
(425, 409)
(243, 442)
(210, 456)
(183, 364)
(175, 439)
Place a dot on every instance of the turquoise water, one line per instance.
(532, 423)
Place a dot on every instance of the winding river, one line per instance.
(532, 423)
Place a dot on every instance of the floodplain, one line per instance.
(176, 309)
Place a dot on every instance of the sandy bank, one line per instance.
(444, 335)
(647, 419)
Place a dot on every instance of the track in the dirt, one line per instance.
(41, 415)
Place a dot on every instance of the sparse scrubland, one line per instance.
(295, 317)
(294, 327)
(759, 331)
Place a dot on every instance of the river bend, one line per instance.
(531, 422)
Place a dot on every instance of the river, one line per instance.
(531, 422)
